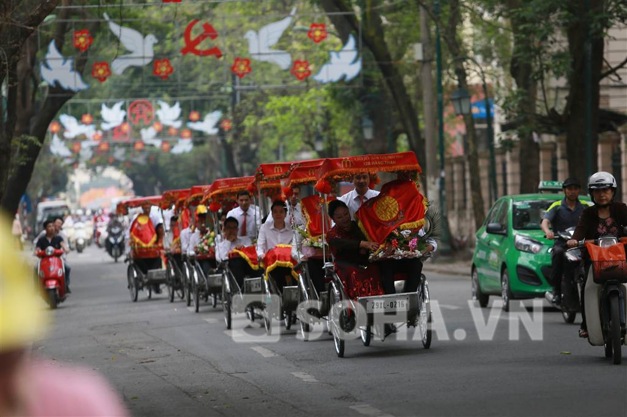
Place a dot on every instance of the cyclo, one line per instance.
(240, 273)
(145, 268)
(176, 277)
(392, 216)
(308, 247)
(204, 280)
(276, 260)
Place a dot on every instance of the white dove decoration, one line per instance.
(140, 47)
(112, 117)
(73, 128)
(58, 148)
(259, 43)
(59, 70)
(208, 124)
(148, 136)
(168, 115)
(343, 64)
(182, 146)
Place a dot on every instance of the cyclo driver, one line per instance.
(605, 218)
(562, 215)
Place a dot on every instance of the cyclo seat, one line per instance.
(358, 280)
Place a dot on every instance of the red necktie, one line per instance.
(243, 229)
(362, 198)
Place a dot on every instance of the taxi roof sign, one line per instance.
(550, 186)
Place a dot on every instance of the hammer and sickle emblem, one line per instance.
(191, 44)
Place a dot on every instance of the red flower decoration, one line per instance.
(226, 125)
(97, 136)
(157, 126)
(215, 207)
(54, 127)
(323, 186)
(103, 146)
(139, 145)
(162, 68)
(300, 69)
(194, 116)
(172, 131)
(186, 134)
(317, 32)
(241, 67)
(82, 40)
(87, 119)
(101, 71)
(394, 243)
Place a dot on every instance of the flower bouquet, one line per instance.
(311, 246)
(206, 246)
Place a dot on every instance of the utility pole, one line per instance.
(426, 76)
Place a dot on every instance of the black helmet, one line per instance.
(571, 181)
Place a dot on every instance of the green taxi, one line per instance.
(512, 256)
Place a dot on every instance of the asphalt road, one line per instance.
(167, 360)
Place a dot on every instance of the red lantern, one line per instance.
(214, 206)
(165, 146)
(323, 186)
(157, 126)
(139, 145)
(317, 32)
(87, 119)
(194, 116)
(54, 127)
(172, 131)
(287, 192)
(101, 71)
(226, 125)
(82, 39)
(162, 68)
(300, 69)
(241, 67)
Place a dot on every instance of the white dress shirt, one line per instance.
(270, 236)
(194, 240)
(185, 235)
(297, 213)
(225, 246)
(253, 220)
(352, 200)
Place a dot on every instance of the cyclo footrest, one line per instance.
(156, 276)
(290, 297)
(214, 280)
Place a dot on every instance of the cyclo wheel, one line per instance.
(226, 306)
(615, 329)
(132, 282)
(188, 285)
(196, 292)
(366, 335)
(424, 315)
(334, 319)
(169, 277)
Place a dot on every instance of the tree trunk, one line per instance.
(456, 50)
(575, 112)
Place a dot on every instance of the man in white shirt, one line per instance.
(276, 233)
(247, 215)
(294, 212)
(230, 240)
(360, 194)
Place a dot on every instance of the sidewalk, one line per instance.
(451, 265)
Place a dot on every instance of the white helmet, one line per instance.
(601, 180)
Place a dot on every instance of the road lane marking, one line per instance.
(369, 410)
(304, 376)
(266, 353)
(210, 320)
(449, 307)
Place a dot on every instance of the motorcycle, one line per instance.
(80, 237)
(115, 241)
(51, 274)
(571, 283)
(604, 294)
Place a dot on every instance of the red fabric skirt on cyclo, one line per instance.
(359, 281)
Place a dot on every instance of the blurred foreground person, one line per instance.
(31, 386)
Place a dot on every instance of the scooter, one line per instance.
(51, 273)
(80, 238)
(571, 283)
(604, 294)
(115, 241)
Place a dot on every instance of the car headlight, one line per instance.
(525, 244)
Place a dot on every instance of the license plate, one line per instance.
(386, 304)
(254, 285)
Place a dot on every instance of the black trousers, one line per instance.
(560, 265)
(316, 273)
(240, 270)
(412, 267)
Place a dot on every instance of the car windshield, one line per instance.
(528, 215)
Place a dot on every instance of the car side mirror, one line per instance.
(496, 229)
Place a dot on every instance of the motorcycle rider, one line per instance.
(561, 215)
(605, 218)
(57, 228)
